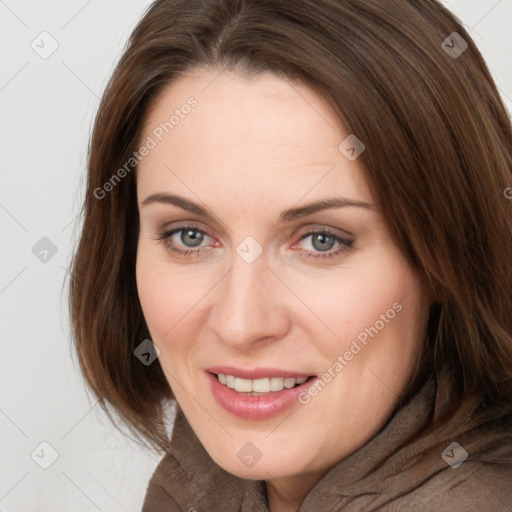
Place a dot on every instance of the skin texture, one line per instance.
(252, 148)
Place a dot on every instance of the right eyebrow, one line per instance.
(181, 202)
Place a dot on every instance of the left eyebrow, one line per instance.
(334, 202)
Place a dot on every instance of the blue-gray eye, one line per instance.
(323, 242)
(191, 237)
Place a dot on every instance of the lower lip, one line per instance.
(255, 407)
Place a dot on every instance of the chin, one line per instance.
(250, 463)
(261, 470)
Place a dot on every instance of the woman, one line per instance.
(296, 227)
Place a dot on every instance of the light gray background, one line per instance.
(47, 109)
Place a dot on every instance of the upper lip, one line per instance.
(256, 373)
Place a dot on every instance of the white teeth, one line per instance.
(276, 384)
(230, 381)
(265, 385)
(289, 383)
(243, 385)
(260, 385)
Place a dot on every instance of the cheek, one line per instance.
(353, 301)
(167, 300)
(165, 297)
(155, 302)
(386, 343)
(173, 303)
(375, 313)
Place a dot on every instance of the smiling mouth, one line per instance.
(265, 385)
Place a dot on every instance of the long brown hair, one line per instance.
(438, 158)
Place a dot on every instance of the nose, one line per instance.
(249, 305)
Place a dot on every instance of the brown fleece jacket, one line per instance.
(382, 475)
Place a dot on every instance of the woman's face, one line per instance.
(253, 282)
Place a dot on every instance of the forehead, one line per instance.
(260, 133)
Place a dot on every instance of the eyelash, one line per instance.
(345, 244)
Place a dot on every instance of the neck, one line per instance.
(287, 494)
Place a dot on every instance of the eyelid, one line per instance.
(182, 225)
(322, 228)
(165, 233)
